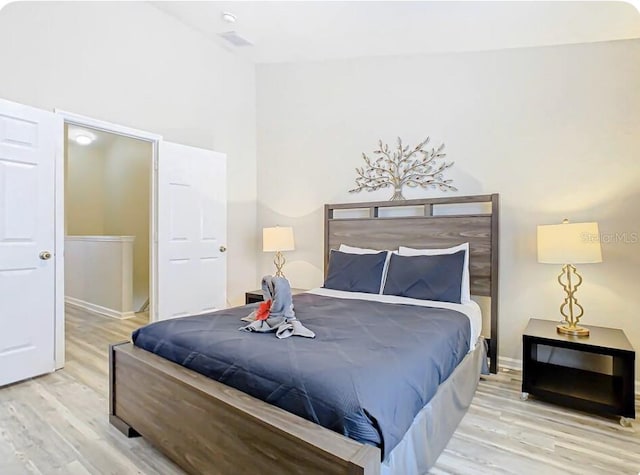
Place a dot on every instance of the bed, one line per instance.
(207, 426)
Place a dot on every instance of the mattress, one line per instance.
(370, 370)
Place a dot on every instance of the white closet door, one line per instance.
(192, 222)
(28, 144)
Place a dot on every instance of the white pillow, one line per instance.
(465, 291)
(362, 250)
(357, 250)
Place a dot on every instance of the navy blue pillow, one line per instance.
(437, 277)
(355, 272)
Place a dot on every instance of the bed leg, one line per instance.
(122, 426)
(114, 420)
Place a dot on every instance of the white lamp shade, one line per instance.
(569, 243)
(279, 238)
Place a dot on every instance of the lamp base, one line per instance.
(574, 331)
(279, 261)
(570, 304)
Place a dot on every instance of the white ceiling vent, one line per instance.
(235, 39)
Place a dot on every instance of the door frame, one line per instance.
(155, 139)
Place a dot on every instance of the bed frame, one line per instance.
(207, 427)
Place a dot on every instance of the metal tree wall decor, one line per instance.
(402, 166)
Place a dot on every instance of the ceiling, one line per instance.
(310, 31)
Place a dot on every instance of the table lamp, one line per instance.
(569, 244)
(278, 239)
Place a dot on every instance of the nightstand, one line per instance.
(256, 295)
(609, 390)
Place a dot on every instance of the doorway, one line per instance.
(107, 208)
(187, 235)
(107, 193)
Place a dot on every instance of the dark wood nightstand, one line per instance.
(608, 391)
(256, 295)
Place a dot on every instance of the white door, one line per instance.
(192, 221)
(28, 144)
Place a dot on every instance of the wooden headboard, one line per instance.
(361, 225)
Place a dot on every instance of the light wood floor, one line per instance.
(57, 424)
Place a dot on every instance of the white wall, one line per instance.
(554, 130)
(99, 274)
(130, 63)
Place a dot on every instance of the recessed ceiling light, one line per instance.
(83, 140)
(229, 17)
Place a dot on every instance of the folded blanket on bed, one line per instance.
(276, 313)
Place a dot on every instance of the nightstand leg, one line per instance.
(624, 422)
(525, 396)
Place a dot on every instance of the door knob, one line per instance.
(45, 255)
(223, 249)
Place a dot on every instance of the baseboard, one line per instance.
(516, 364)
(510, 363)
(98, 309)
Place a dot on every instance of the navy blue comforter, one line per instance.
(368, 372)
